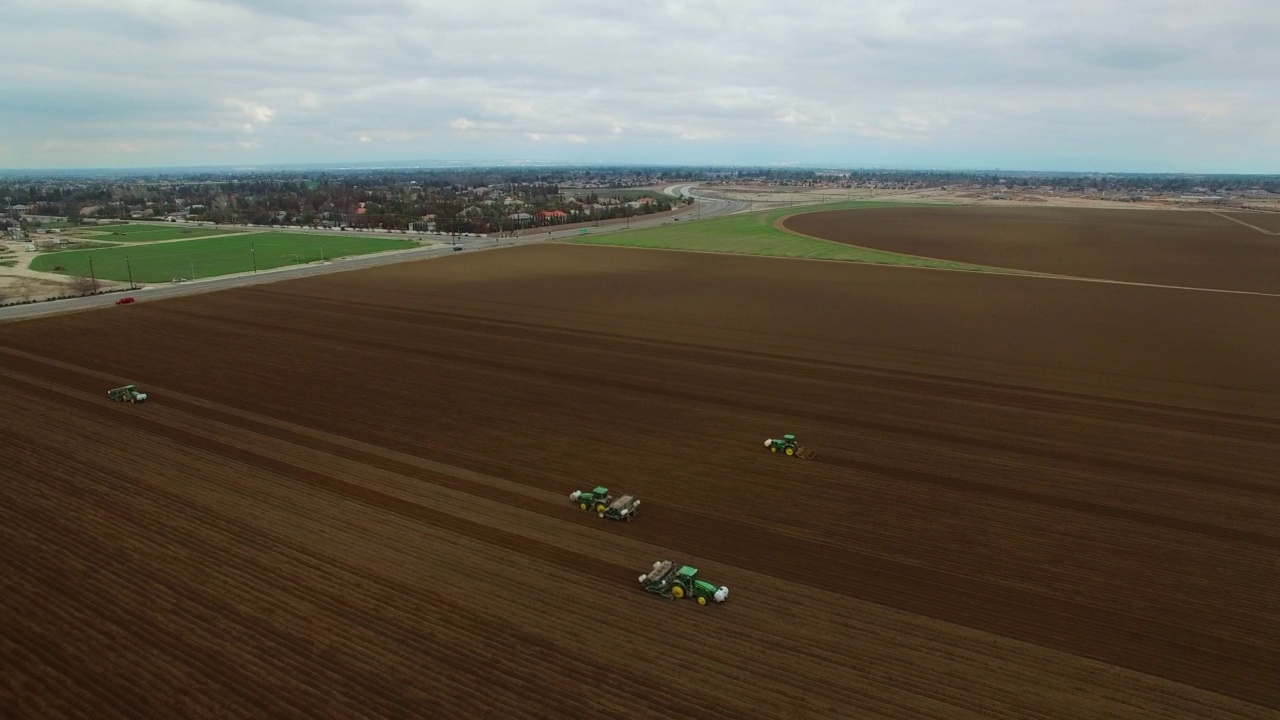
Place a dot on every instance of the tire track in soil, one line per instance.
(663, 519)
(1108, 464)
(350, 491)
(952, 483)
(206, 554)
(1134, 643)
(129, 614)
(927, 383)
(548, 511)
(239, 563)
(1053, 501)
(1002, 394)
(585, 379)
(119, 553)
(1177, 653)
(239, 560)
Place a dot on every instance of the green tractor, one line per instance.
(789, 445)
(598, 499)
(674, 581)
(128, 393)
(605, 505)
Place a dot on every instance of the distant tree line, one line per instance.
(480, 199)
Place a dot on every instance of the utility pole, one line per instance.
(321, 253)
(92, 276)
(193, 269)
(130, 269)
(254, 255)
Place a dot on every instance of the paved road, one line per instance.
(703, 208)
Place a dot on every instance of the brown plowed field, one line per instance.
(1164, 247)
(348, 496)
(1265, 220)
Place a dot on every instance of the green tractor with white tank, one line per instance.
(598, 499)
(674, 581)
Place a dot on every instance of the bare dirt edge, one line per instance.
(996, 271)
(779, 224)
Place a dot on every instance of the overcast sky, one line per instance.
(1080, 85)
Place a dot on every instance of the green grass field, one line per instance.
(213, 256)
(149, 233)
(620, 193)
(754, 234)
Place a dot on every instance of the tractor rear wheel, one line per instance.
(600, 508)
(677, 591)
(791, 451)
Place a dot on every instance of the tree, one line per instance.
(73, 214)
(82, 285)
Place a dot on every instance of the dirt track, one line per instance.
(349, 496)
(1195, 249)
(1269, 221)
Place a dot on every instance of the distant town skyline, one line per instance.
(1086, 86)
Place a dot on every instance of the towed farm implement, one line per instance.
(128, 393)
(674, 581)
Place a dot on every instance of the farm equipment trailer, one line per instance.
(602, 501)
(128, 393)
(674, 581)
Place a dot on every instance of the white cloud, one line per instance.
(251, 111)
(758, 80)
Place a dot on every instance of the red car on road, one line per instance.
(124, 301)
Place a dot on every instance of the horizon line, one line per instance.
(424, 164)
